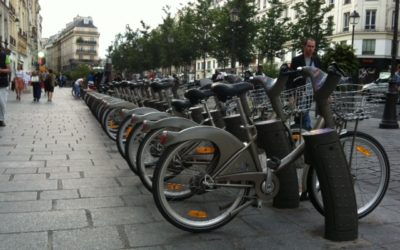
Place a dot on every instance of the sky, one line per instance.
(110, 17)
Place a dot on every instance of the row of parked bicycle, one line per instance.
(232, 144)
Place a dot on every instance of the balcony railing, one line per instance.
(82, 51)
(79, 41)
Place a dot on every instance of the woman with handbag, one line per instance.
(19, 81)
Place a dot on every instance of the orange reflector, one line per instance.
(112, 124)
(198, 214)
(363, 151)
(205, 150)
(128, 131)
(295, 137)
(174, 186)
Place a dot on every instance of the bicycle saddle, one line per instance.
(196, 95)
(223, 90)
(181, 105)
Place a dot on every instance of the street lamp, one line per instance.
(389, 119)
(234, 18)
(354, 18)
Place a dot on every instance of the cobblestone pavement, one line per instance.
(63, 185)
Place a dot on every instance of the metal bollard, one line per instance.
(274, 139)
(324, 152)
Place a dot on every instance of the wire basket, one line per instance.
(298, 100)
(349, 102)
(294, 101)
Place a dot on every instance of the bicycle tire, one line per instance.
(110, 125)
(194, 211)
(367, 145)
(144, 155)
(132, 145)
(122, 135)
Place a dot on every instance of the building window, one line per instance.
(265, 4)
(209, 65)
(368, 47)
(331, 2)
(370, 19)
(346, 19)
(198, 66)
(347, 1)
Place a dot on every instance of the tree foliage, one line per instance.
(273, 31)
(344, 56)
(204, 29)
(312, 22)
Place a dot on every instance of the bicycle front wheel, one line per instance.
(185, 193)
(369, 167)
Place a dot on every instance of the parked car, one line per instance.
(379, 86)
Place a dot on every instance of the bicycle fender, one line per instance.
(170, 122)
(139, 111)
(152, 116)
(227, 144)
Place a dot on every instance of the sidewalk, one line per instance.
(63, 185)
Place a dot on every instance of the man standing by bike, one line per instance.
(5, 69)
(307, 58)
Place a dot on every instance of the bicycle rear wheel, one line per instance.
(369, 168)
(186, 195)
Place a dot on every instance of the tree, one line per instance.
(273, 32)
(344, 56)
(312, 23)
(204, 23)
(243, 31)
(186, 30)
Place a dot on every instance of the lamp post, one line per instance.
(354, 18)
(234, 18)
(389, 119)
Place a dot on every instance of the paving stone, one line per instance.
(21, 164)
(28, 185)
(88, 238)
(130, 181)
(63, 163)
(24, 241)
(119, 216)
(89, 182)
(88, 203)
(91, 168)
(21, 177)
(18, 196)
(31, 170)
(42, 221)
(24, 206)
(109, 173)
(59, 194)
(108, 191)
(74, 175)
(140, 235)
(53, 170)
(50, 157)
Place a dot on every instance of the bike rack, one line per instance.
(274, 131)
(324, 152)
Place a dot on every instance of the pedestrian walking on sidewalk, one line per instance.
(37, 88)
(49, 83)
(5, 70)
(19, 80)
